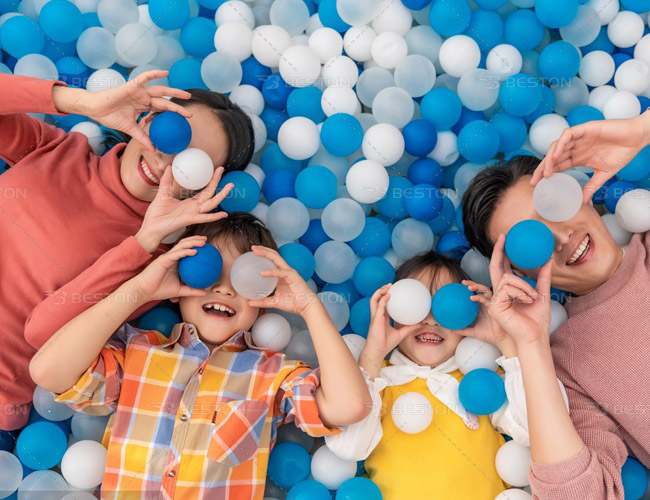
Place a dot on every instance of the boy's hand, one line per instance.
(167, 214)
(292, 293)
(160, 279)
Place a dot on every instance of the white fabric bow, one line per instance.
(442, 385)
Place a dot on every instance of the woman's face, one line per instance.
(142, 169)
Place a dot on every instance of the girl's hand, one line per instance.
(119, 107)
(160, 279)
(292, 293)
(604, 145)
(167, 214)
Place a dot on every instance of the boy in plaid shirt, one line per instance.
(195, 415)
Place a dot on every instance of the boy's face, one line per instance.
(216, 326)
(431, 344)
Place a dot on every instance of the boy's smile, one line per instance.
(219, 310)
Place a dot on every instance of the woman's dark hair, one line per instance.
(236, 124)
(484, 194)
(239, 230)
(434, 262)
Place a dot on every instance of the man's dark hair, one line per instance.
(236, 124)
(239, 230)
(485, 192)
(433, 261)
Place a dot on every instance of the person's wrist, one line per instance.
(134, 291)
(147, 240)
(644, 121)
(508, 347)
(69, 100)
(533, 345)
(312, 305)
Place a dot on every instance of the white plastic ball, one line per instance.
(514, 494)
(43, 485)
(287, 218)
(192, 168)
(633, 75)
(336, 164)
(633, 211)
(301, 347)
(234, 11)
(269, 44)
(337, 308)
(459, 54)
(446, 150)
(512, 463)
(83, 464)
(388, 49)
(357, 42)
(259, 131)
(260, 211)
(113, 14)
(248, 97)
(299, 66)
(235, 39)
(411, 237)
(221, 72)
(472, 353)
(271, 331)
(626, 29)
(477, 267)
(558, 315)
(46, 407)
(383, 143)
(355, 343)
(343, 219)
(583, 29)
(367, 181)
(416, 74)
(478, 89)
(245, 276)
(606, 10)
(169, 51)
(557, 198)
(393, 105)
(642, 50)
(545, 130)
(339, 100)
(327, 43)
(597, 68)
(292, 15)
(330, 470)
(104, 79)
(409, 302)
(621, 104)
(356, 12)
(621, 236)
(598, 97)
(335, 261)
(504, 60)
(11, 473)
(423, 40)
(299, 138)
(94, 134)
(36, 66)
(96, 48)
(412, 412)
(340, 71)
(389, 15)
(570, 95)
(371, 82)
(135, 44)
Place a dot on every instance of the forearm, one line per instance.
(508, 347)
(68, 99)
(371, 359)
(72, 349)
(644, 120)
(553, 437)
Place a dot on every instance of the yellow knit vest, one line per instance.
(446, 461)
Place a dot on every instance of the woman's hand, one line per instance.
(167, 214)
(160, 279)
(604, 145)
(292, 294)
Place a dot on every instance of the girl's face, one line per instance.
(431, 344)
(142, 169)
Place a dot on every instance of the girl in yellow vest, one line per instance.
(453, 458)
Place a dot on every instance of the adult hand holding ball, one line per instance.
(529, 244)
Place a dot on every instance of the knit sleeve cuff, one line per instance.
(562, 472)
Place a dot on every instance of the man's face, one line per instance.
(585, 254)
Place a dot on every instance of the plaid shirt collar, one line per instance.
(186, 334)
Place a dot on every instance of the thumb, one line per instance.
(166, 182)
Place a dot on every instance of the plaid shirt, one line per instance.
(189, 424)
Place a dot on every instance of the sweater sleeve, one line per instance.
(107, 273)
(21, 95)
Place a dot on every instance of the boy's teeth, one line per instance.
(220, 307)
(580, 250)
(147, 172)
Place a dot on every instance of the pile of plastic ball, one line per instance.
(371, 118)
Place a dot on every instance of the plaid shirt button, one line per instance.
(184, 417)
(171, 473)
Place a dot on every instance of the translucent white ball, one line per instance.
(570, 95)
(245, 276)
(138, 70)
(383, 143)
(472, 353)
(330, 470)
(11, 473)
(357, 42)
(104, 79)
(43, 485)
(459, 54)
(96, 48)
(339, 100)
(597, 68)
(259, 131)
(642, 50)
(411, 237)
(221, 72)
(425, 41)
(340, 71)
(512, 463)
(135, 44)
(626, 29)
(606, 9)
(557, 198)
(327, 43)
(389, 15)
(355, 343)
(633, 75)
(633, 211)
(598, 97)
(192, 168)
(271, 331)
(301, 347)
(416, 74)
(292, 15)
(343, 219)
(248, 97)
(514, 494)
(79, 495)
(234, 11)
(388, 49)
(94, 134)
(287, 218)
(143, 17)
(335, 262)
(46, 407)
(235, 39)
(36, 66)
(504, 60)
(410, 301)
(621, 104)
(169, 51)
(478, 89)
(446, 150)
(583, 29)
(477, 267)
(558, 315)
(356, 12)
(393, 105)
(545, 130)
(621, 236)
(412, 412)
(299, 138)
(337, 308)
(269, 43)
(299, 66)
(88, 427)
(371, 82)
(367, 181)
(83, 464)
(260, 211)
(113, 14)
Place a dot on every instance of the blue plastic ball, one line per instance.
(638, 168)
(309, 490)
(635, 479)
(467, 115)
(545, 106)
(21, 35)
(416, 4)
(289, 463)
(598, 197)
(169, 14)
(315, 236)
(614, 193)
(556, 13)
(371, 274)
(393, 204)
(41, 445)
(316, 186)
(341, 134)
(346, 289)
(486, 28)
(360, 316)
(482, 391)
(254, 73)
(523, 30)
(273, 120)
(459, 219)
(529, 244)
(559, 62)
(444, 221)
(602, 42)
(450, 17)
(452, 307)
(306, 101)
(478, 141)
(72, 71)
(583, 114)
(170, 132)
(374, 239)
(453, 244)
(61, 20)
(276, 91)
(197, 36)
(420, 137)
(512, 131)
(329, 16)
(442, 107)
(358, 488)
(186, 74)
(202, 269)
(279, 184)
(244, 196)
(491, 4)
(425, 171)
(274, 159)
(7, 440)
(161, 319)
(300, 258)
(638, 6)
(520, 94)
(423, 202)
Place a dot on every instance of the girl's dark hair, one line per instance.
(484, 194)
(236, 123)
(434, 262)
(239, 230)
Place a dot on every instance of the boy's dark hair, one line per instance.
(239, 229)
(433, 261)
(485, 192)
(236, 124)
